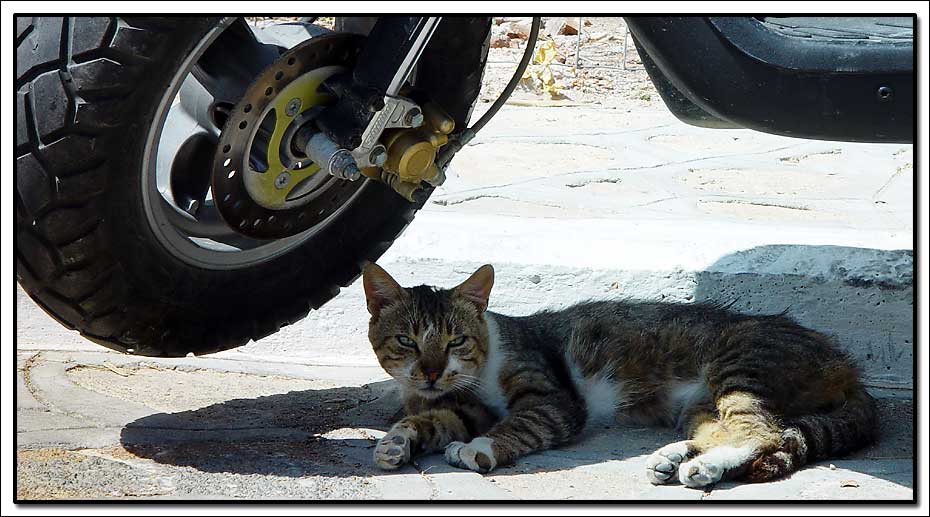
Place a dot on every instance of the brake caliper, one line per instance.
(411, 153)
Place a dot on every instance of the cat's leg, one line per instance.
(424, 432)
(662, 465)
(526, 429)
(745, 431)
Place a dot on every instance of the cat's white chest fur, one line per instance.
(492, 395)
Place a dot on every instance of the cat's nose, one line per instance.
(431, 372)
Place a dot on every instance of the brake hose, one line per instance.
(466, 136)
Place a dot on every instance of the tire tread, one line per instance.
(78, 73)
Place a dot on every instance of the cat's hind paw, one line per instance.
(476, 455)
(711, 466)
(699, 473)
(392, 451)
(662, 465)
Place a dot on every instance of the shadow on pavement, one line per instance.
(285, 435)
(299, 433)
(326, 431)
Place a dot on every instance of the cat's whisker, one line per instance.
(470, 380)
(460, 384)
(465, 386)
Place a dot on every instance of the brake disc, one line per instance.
(262, 187)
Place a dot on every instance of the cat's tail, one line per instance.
(816, 437)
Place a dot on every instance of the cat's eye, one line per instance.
(459, 341)
(406, 341)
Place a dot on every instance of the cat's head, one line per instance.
(433, 341)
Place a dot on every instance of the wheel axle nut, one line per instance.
(353, 173)
(344, 166)
(332, 159)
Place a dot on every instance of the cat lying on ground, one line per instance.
(758, 396)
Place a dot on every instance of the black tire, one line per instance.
(87, 90)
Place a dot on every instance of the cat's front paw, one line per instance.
(393, 450)
(476, 455)
(662, 465)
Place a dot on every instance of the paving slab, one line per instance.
(229, 434)
(845, 480)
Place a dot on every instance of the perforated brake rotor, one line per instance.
(260, 187)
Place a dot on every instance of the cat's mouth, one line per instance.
(431, 392)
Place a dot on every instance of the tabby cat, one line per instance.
(759, 396)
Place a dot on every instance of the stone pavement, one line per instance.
(105, 425)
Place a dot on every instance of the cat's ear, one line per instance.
(380, 289)
(477, 288)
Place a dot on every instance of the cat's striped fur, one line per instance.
(758, 396)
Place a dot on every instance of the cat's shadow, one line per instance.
(300, 433)
(331, 432)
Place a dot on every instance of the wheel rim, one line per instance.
(176, 196)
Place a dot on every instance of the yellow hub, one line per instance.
(268, 188)
(411, 153)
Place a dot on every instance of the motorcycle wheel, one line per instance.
(104, 250)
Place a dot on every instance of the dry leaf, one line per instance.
(539, 74)
(849, 483)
